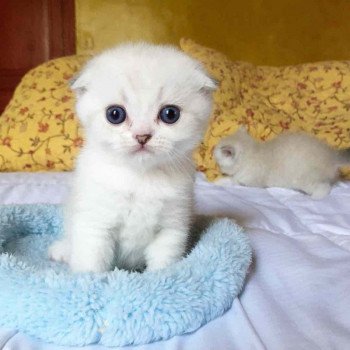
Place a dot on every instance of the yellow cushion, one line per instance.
(312, 97)
(38, 129)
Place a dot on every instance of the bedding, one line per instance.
(297, 292)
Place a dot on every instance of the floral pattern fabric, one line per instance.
(313, 97)
(38, 129)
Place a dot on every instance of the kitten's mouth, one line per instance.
(141, 150)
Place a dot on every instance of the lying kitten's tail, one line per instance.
(344, 156)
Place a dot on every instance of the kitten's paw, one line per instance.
(162, 259)
(87, 264)
(159, 265)
(60, 251)
(320, 190)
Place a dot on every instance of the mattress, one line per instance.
(297, 294)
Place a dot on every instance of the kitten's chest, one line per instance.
(141, 207)
(139, 221)
(137, 202)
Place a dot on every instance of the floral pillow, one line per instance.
(38, 129)
(312, 97)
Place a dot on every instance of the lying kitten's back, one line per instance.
(293, 150)
(300, 161)
(293, 160)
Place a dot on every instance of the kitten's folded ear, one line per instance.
(210, 84)
(207, 82)
(79, 83)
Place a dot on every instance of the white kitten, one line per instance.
(292, 160)
(144, 108)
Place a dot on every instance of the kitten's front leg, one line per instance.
(84, 248)
(92, 247)
(168, 247)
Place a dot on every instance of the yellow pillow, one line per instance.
(38, 129)
(312, 97)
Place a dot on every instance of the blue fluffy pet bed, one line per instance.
(43, 299)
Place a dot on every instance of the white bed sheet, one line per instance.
(297, 295)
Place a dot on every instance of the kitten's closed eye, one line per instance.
(227, 151)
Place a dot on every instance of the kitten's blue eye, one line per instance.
(169, 114)
(116, 114)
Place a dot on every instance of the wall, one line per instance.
(271, 32)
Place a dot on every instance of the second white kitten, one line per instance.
(144, 108)
(292, 160)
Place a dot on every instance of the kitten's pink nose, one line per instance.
(143, 139)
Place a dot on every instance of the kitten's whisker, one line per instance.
(175, 159)
(185, 157)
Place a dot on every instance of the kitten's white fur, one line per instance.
(291, 160)
(134, 209)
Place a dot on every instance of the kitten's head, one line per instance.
(144, 104)
(231, 149)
